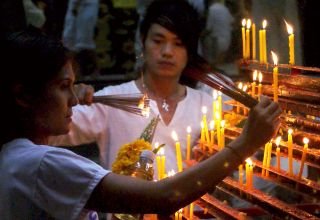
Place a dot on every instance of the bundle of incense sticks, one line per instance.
(203, 73)
(134, 103)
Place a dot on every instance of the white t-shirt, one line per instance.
(111, 128)
(42, 182)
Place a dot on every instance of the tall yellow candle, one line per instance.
(304, 154)
(275, 77)
(158, 160)
(290, 152)
(220, 103)
(278, 153)
(245, 109)
(217, 123)
(264, 41)
(215, 97)
(202, 136)
(248, 39)
(204, 120)
(253, 32)
(260, 85)
(265, 156)
(188, 142)
(269, 158)
(191, 211)
(243, 30)
(178, 150)
(260, 47)
(291, 43)
(240, 174)
(222, 142)
(249, 173)
(253, 84)
(240, 85)
(163, 163)
(211, 133)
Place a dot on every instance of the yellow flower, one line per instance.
(128, 155)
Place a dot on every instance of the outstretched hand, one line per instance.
(84, 93)
(262, 125)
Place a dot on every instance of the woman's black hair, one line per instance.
(181, 18)
(30, 60)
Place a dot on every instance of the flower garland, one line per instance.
(128, 155)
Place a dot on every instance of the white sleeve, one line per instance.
(65, 182)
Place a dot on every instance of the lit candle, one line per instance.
(222, 142)
(238, 104)
(220, 103)
(275, 77)
(218, 129)
(253, 31)
(264, 41)
(178, 150)
(265, 156)
(163, 163)
(191, 211)
(188, 142)
(291, 43)
(249, 173)
(243, 38)
(240, 175)
(290, 152)
(248, 39)
(269, 158)
(253, 84)
(204, 120)
(215, 97)
(211, 133)
(158, 159)
(260, 85)
(245, 109)
(278, 152)
(304, 154)
(260, 46)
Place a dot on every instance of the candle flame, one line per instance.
(156, 144)
(289, 28)
(244, 22)
(217, 115)
(278, 140)
(222, 123)
(215, 94)
(240, 85)
(204, 109)
(275, 58)
(248, 24)
(305, 140)
(290, 131)
(189, 129)
(171, 173)
(249, 161)
(161, 151)
(260, 77)
(211, 124)
(264, 24)
(255, 74)
(174, 136)
(245, 87)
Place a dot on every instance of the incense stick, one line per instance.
(136, 103)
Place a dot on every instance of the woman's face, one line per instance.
(54, 111)
(164, 52)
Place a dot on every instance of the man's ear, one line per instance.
(21, 96)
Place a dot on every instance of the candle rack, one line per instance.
(299, 97)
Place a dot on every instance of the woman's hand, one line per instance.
(84, 93)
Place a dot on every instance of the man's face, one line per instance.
(165, 54)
